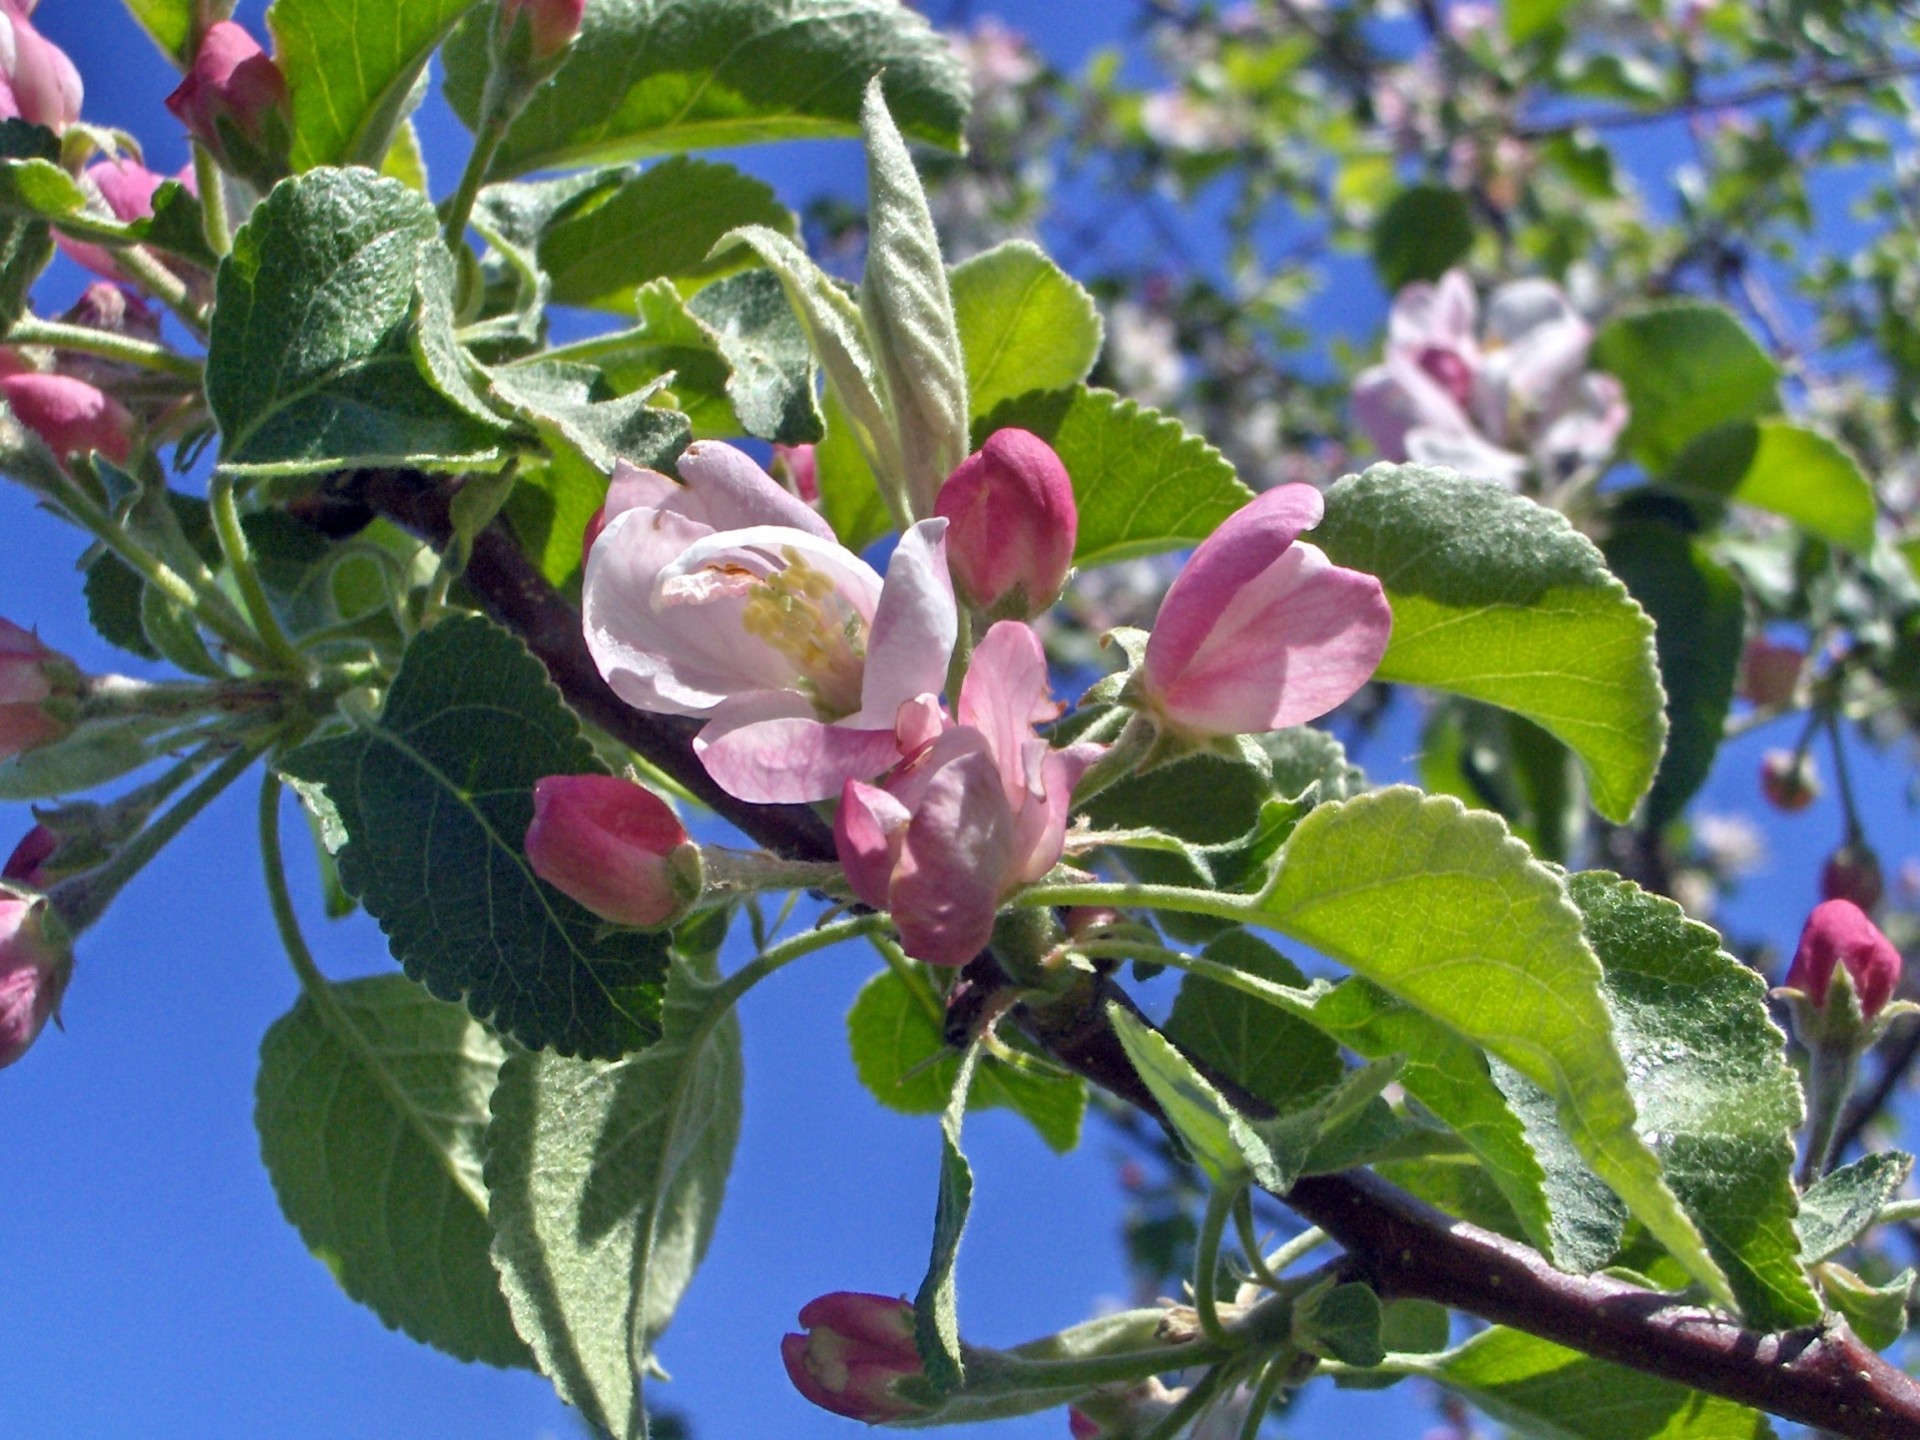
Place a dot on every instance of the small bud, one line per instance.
(1084, 920)
(37, 81)
(797, 467)
(1011, 525)
(234, 102)
(1838, 933)
(1769, 671)
(72, 416)
(1789, 781)
(33, 974)
(36, 847)
(1852, 872)
(32, 679)
(855, 1348)
(615, 847)
(128, 189)
(552, 24)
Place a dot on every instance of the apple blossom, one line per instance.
(31, 676)
(1770, 670)
(1852, 872)
(36, 847)
(1261, 630)
(614, 846)
(128, 188)
(854, 1349)
(33, 974)
(38, 83)
(234, 102)
(728, 598)
(1838, 932)
(72, 416)
(1789, 781)
(552, 24)
(1011, 525)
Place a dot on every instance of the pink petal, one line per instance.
(1004, 696)
(767, 748)
(954, 864)
(735, 493)
(868, 831)
(915, 625)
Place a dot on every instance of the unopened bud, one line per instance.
(614, 846)
(798, 468)
(1769, 671)
(36, 847)
(70, 415)
(552, 25)
(854, 1349)
(38, 83)
(1838, 935)
(33, 974)
(1789, 781)
(33, 682)
(1011, 528)
(1852, 872)
(234, 102)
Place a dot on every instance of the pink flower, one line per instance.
(552, 24)
(33, 974)
(37, 81)
(615, 847)
(978, 811)
(234, 102)
(36, 847)
(31, 676)
(1261, 630)
(1789, 781)
(728, 598)
(1838, 932)
(1852, 872)
(855, 1348)
(1012, 523)
(1770, 670)
(128, 188)
(72, 416)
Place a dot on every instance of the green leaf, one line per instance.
(1545, 1392)
(549, 511)
(26, 243)
(650, 77)
(1143, 483)
(1424, 233)
(1221, 1141)
(1499, 599)
(169, 23)
(1687, 366)
(1700, 620)
(572, 408)
(607, 1180)
(1527, 19)
(1784, 468)
(770, 380)
(351, 74)
(434, 798)
(1877, 1313)
(935, 1312)
(1839, 1209)
(850, 497)
(97, 752)
(1443, 908)
(1025, 324)
(909, 311)
(1272, 1055)
(902, 1057)
(372, 1106)
(1717, 1100)
(331, 338)
(1341, 1322)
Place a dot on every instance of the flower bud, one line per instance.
(1789, 781)
(234, 102)
(1838, 932)
(72, 416)
(128, 188)
(798, 468)
(855, 1347)
(1852, 872)
(33, 973)
(37, 81)
(615, 847)
(551, 24)
(23, 865)
(32, 678)
(1011, 525)
(1769, 671)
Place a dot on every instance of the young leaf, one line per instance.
(1717, 1100)
(1500, 599)
(1270, 1054)
(433, 798)
(1840, 1208)
(372, 1105)
(909, 312)
(1687, 366)
(573, 409)
(1222, 1141)
(770, 369)
(1877, 1313)
(1443, 908)
(652, 77)
(1784, 468)
(97, 752)
(169, 22)
(850, 497)
(1024, 323)
(316, 360)
(936, 1316)
(351, 75)
(607, 1180)
(26, 242)
(1422, 234)
(1142, 482)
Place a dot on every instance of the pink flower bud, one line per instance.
(23, 865)
(553, 23)
(614, 846)
(234, 102)
(1261, 630)
(798, 466)
(1852, 872)
(1838, 932)
(1769, 670)
(855, 1347)
(1788, 781)
(33, 973)
(1080, 1426)
(1012, 524)
(37, 81)
(128, 188)
(72, 416)
(31, 676)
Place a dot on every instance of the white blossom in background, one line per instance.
(1144, 352)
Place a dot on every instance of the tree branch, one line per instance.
(1406, 1248)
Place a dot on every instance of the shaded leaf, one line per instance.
(1839, 1208)
(1784, 468)
(1421, 235)
(1686, 366)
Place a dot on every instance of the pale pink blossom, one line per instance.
(1261, 630)
(33, 974)
(727, 598)
(33, 679)
(1013, 521)
(37, 81)
(614, 846)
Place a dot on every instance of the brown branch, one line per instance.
(1823, 1378)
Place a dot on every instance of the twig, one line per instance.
(1705, 104)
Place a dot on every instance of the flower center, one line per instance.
(798, 611)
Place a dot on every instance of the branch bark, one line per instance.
(1820, 1377)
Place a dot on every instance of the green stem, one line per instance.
(1001, 1372)
(82, 900)
(1123, 757)
(1843, 781)
(1900, 1212)
(213, 200)
(729, 991)
(962, 657)
(486, 144)
(281, 901)
(1830, 1076)
(84, 339)
(1250, 1242)
(163, 284)
(1195, 1400)
(1298, 1248)
(1150, 897)
(752, 870)
(1271, 1382)
(105, 697)
(239, 557)
(1221, 1203)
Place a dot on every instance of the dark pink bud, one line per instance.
(72, 416)
(1789, 781)
(33, 973)
(1852, 872)
(855, 1347)
(1011, 525)
(1769, 671)
(1084, 920)
(614, 846)
(234, 102)
(798, 466)
(128, 189)
(35, 848)
(32, 678)
(37, 81)
(552, 24)
(1080, 1426)
(1838, 932)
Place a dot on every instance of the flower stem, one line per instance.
(140, 263)
(84, 339)
(213, 200)
(1123, 757)
(1830, 1075)
(1221, 1203)
(239, 557)
(1271, 1382)
(486, 144)
(1191, 1404)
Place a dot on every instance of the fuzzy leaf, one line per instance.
(1025, 324)
(1840, 1208)
(936, 1315)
